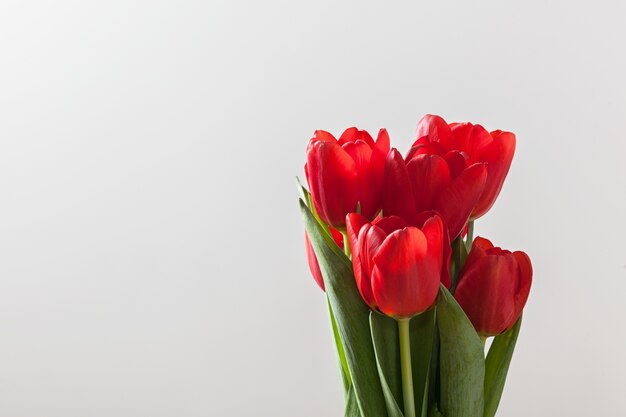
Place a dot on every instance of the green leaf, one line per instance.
(434, 411)
(462, 362)
(422, 333)
(305, 197)
(387, 349)
(352, 408)
(497, 366)
(304, 193)
(345, 374)
(433, 379)
(351, 316)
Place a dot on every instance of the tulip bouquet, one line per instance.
(413, 297)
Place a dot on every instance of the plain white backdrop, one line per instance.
(151, 246)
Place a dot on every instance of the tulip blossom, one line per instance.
(397, 266)
(445, 184)
(312, 258)
(493, 287)
(465, 144)
(345, 174)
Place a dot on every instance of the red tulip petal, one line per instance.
(370, 240)
(322, 136)
(457, 162)
(434, 232)
(429, 176)
(354, 223)
(391, 224)
(419, 220)
(332, 176)
(427, 148)
(312, 261)
(352, 134)
(361, 154)
(383, 142)
(486, 292)
(348, 135)
(470, 138)
(457, 201)
(337, 236)
(405, 280)
(525, 280)
(480, 246)
(370, 167)
(434, 127)
(498, 156)
(397, 194)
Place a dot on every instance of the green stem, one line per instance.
(457, 262)
(346, 244)
(470, 235)
(405, 364)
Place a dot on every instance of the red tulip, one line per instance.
(397, 266)
(464, 144)
(345, 173)
(312, 258)
(493, 287)
(425, 181)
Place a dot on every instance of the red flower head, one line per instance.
(465, 144)
(312, 258)
(423, 181)
(493, 287)
(397, 266)
(345, 173)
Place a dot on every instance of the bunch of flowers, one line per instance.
(413, 297)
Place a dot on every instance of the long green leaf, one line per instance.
(351, 316)
(422, 332)
(387, 349)
(352, 408)
(305, 197)
(434, 411)
(341, 354)
(497, 366)
(462, 363)
(433, 379)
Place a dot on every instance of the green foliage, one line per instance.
(461, 361)
(422, 333)
(387, 349)
(351, 316)
(497, 367)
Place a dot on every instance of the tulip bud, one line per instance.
(397, 266)
(475, 145)
(346, 172)
(445, 184)
(493, 287)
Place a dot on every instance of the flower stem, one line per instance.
(405, 364)
(470, 235)
(346, 244)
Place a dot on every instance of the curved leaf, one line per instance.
(387, 349)
(497, 366)
(352, 408)
(352, 318)
(422, 333)
(462, 362)
(345, 374)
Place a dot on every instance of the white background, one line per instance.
(151, 257)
